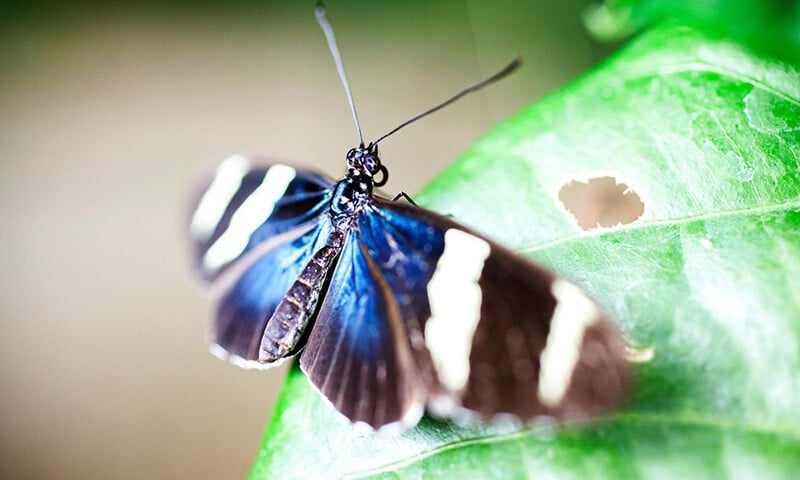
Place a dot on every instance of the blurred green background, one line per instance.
(109, 111)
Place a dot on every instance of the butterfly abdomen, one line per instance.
(286, 326)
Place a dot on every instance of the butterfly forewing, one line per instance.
(540, 346)
(246, 203)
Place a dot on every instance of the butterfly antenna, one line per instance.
(474, 88)
(322, 19)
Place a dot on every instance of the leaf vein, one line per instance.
(632, 418)
(706, 67)
(788, 205)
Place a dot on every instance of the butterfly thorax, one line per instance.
(349, 196)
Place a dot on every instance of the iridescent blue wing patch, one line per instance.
(246, 204)
(357, 353)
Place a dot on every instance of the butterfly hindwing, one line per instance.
(357, 352)
(404, 250)
(246, 203)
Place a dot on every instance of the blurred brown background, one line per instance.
(108, 113)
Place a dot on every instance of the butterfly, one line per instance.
(393, 309)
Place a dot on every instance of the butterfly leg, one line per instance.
(290, 319)
(403, 194)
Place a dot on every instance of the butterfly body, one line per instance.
(392, 308)
(285, 328)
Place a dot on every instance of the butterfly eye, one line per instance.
(354, 158)
(370, 164)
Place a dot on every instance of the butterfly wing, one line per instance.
(462, 324)
(246, 204)
(253, 229)
(357, 353)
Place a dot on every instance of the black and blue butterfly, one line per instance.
(391, 308)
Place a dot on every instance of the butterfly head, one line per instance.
(365, 161)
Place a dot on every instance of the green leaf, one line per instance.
(769, 26)
(708, 136)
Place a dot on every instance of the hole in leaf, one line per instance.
(601, 202)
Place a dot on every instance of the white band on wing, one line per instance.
(573, 314)
(249, 216)
(455, 299)
(218, 195)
